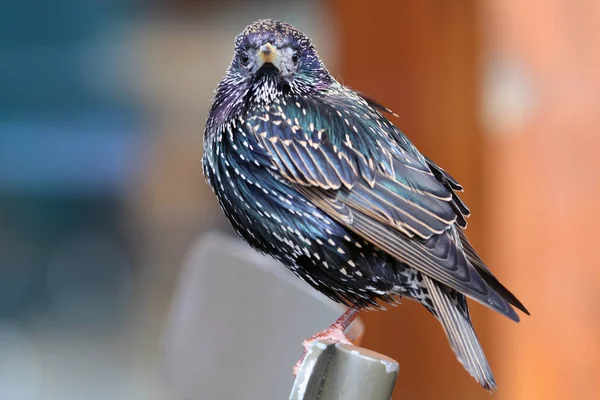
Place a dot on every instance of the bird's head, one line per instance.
(273, 59)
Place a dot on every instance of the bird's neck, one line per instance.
(236, 94)
(266, 90)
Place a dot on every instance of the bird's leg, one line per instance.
(335, 332)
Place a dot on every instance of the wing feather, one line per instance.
(439, 257)
(386, 193)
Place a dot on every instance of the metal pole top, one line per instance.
(342, 372)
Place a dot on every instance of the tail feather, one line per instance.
(460, 333)
(487, 275)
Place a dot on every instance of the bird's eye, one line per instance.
(295, 58)
(244, 58)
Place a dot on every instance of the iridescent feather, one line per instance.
(312, 173)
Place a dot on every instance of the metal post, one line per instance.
(333, 371)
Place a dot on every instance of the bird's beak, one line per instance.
(268, 54)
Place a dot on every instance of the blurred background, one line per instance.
(102, 109)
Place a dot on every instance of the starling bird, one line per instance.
(312, 173)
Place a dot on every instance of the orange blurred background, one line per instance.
(100, 147)
(505, 96)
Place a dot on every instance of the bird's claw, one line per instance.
(334, 333)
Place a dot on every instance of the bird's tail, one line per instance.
(450, 308)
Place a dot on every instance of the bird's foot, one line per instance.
(334, 333)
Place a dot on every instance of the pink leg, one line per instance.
(335, 332)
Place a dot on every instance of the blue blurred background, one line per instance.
(102, 106)
(71, 146)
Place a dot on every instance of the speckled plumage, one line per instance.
(311, 173)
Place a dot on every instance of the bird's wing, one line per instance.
(380, 179)
(379, 190)
(303, 156)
